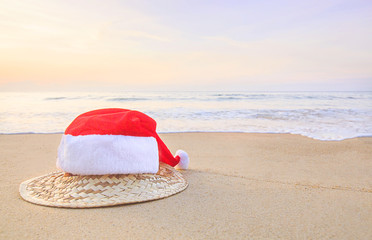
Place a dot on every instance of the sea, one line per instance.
(318, 115)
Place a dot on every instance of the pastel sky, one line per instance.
(75, 45)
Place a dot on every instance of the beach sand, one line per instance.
(241, 186)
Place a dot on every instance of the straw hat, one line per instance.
(109, 157)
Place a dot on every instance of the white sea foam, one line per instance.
(319, 115)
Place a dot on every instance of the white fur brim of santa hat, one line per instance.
(111, 154)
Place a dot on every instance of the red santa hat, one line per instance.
(115, 141)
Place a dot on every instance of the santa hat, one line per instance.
(115, 141)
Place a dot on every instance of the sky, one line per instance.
(189, 45)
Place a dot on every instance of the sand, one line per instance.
(242, 186)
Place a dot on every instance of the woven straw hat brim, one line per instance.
(56, 190)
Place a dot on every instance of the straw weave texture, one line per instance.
(102, 190)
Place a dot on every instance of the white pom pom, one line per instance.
(184, 160)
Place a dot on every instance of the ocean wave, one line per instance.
(272, 114)
(123, 99)
(55, 98)
(217, 97)
(62, 98)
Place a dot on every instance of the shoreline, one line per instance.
(207, 132)
(241, 185)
